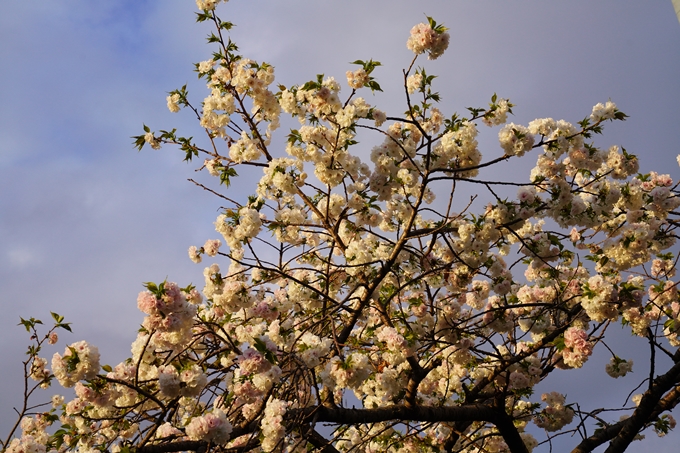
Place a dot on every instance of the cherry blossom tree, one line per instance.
(358, 300)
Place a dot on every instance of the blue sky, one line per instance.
(86, 219)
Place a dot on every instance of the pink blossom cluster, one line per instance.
(167, 312)
(167, 430)
(252, 362)
(394, 341)
(95, 395)
(212, 427)
(577, 347)
(210, 248)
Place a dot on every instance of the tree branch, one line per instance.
(651, 406)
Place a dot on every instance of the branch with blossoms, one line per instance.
(35, 369)
(344, 293)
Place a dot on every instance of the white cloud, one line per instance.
(22, 258)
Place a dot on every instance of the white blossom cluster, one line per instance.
(79, 361)
(426, 39)
(555, 415)
(618, 367)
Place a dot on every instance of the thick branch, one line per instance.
(199, 446)
(476, 412)
(184, 445)
(322, 444)
(651, 406)
(641, 415)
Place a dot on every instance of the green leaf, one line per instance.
(373, 85)
(26, 324)
(226, 174)
(262, 349)
(57, 317)
(29, 323)
(156, 290)
(188, 288)
(439, 29)
(72, 360)
(139, 142)
(554, 240)
(559, 343)
(202, 17)
(294, 137)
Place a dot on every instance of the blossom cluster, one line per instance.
(556, 415)
(426, 38)
(577, 348)
(272, 427)
(212, 427)
(79, 361)
(170, 313)
(618, 367)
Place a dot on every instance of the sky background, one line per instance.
(85, 219)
